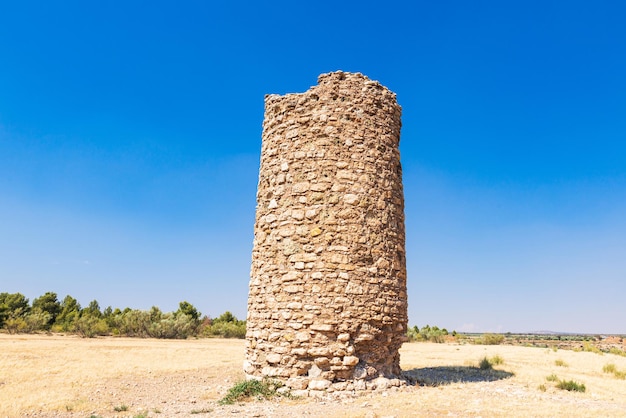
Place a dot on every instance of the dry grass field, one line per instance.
(50, 376)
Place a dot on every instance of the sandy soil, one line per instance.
(64, 376)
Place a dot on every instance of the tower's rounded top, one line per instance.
(339, 76)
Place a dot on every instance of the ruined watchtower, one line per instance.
(328, 306)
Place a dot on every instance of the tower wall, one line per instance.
(327, 303)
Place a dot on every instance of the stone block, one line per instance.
(273, 358)
(322, 327)
(297, 383)
(350, 360)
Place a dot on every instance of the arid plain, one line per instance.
(67, 376)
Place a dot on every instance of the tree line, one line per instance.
(48, 314)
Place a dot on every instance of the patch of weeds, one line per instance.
(95, 416)
(156, 410)
(555, 348)
(609, 368)
(490, 339)
(496, 360)
(617, 351)
(571, 385)
(488, 363)
(201, 411)
(121, 408)
(587, 346)
(69, 408)
(259, 389)
(561, 363)
(542, 387)
(141, 415)
(485, 364)
(552, 378)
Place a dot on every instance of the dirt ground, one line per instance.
(66, 376)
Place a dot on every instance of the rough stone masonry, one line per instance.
(327, 307)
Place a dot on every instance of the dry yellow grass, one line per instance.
(70, 374)
(49, 376)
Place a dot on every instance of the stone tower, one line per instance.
(327, 307)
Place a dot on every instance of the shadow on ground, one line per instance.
(444, 375)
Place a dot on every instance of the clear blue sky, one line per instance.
(130, 135)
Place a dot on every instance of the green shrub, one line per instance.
(617, 351)
(485, 364)
(609, 368)
(135, 323)
(15, 325)
(570, 385)
(19, 322)
(542, 387)
(552, 378)
(226, 330)
(259, 389)
(89, 326)
(178, 326)
(225, 326)
(490, 339)
(587, 346)
(427, 333)
(201, 411)
(560, 363)
(37, 320)
(488, 363)
(496, 360)
(412, 333)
